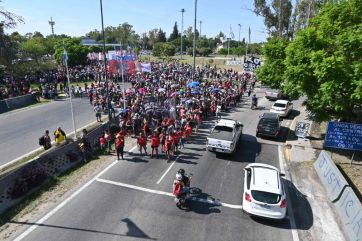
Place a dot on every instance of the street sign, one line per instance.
(301, 129)
(342, 135)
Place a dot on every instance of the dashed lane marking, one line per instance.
(208, 201)
(168, 169)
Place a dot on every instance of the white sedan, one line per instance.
(282, 107)
(264, 194)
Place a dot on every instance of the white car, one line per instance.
(282, 107)
(264, 193)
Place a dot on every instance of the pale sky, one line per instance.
(78, 17)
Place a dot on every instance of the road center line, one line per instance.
(208, 201)
(168, 169)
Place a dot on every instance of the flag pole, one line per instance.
(65, 57)
(124, 90)
(247, 44)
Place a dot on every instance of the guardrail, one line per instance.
(348, 206)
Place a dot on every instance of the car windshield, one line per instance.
(279, 105)
(223, 128)
(268, 122)
(266, 197)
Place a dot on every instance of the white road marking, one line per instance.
(168, 169)
(289, 205)
(214, 202)
(62, 204)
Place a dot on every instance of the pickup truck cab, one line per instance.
(273, 94)
(225, 136)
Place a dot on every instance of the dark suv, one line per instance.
(269, 125)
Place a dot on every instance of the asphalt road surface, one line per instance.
(132, 199)
(21, 129)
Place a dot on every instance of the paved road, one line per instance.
(131, 200)
(21, 129)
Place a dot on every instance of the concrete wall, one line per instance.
(17, 102)
(346, 202)
(51, 163)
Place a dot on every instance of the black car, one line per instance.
(269, 125)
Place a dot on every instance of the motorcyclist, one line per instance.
(181, 183)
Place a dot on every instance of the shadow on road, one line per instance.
(202, 207)
(246, 151)
(136, 232)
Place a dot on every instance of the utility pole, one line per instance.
(182, 29)
(194, 45)
(52, 23)
(200, 28)
(239, 32)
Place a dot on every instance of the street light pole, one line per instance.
(200, 28)
(182, 28)
(105, 64)
(194, 45)
(239, 32)
(228, 45)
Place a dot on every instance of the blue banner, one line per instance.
(342, 135)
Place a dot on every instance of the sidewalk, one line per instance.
(300, 156)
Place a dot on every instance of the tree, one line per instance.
(324, 62)
(175, 34)
(34, 48)
(7, 48)
(152, 36)
(163, 49)
(11, 19)
(276, 16)
(161, 36)
(271, 72)
(77, 53)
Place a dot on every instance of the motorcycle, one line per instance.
(182, 199)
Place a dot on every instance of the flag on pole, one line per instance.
(231, 33)
(65, 56)
(249, 34)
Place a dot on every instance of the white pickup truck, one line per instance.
(225, 136)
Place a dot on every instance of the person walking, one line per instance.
(98, 111)
(45, 140)
(119, 145)
(155, 143)
(59, 135)
(108, 138)
(142, 143)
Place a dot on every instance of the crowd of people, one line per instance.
(165, 107)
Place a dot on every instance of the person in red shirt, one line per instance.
(188, 130)
(181, 134)
(146, 128)
(142, 143)
(176, 139)
(163, 140)
(155, 143)
(102, 142)
(169, 147)
(119, 142)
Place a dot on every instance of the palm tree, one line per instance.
(11, 19)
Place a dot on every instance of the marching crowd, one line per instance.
(165, 107)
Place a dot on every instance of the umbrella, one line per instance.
(142, 90)
(215, 90)
(173, 94)
(188, 102)
(129, 91)
(193, 84)
(174, 85)
(161, 90)
(180, 92)
(195, 92)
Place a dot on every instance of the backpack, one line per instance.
(177, 190)
(42, 141)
